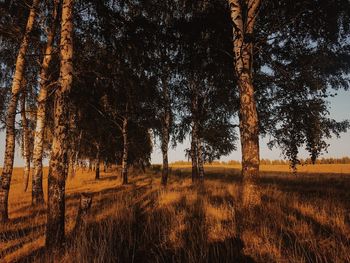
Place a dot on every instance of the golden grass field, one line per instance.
(301, 218)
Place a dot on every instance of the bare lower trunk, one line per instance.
(194, 152)
(9, 157)
(249, 127)
(98, 161)
(200, 160)
(194, 132)
(166, 132)
(97, 171)
(25, 142)
(90, 165)
(56, 181)
(250, 150)
(71, 170)
(165, 170)
(76, 154)
(125, 151)
(11, 116)
(105, 166)
(37, 180)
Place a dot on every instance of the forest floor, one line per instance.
(301, 218)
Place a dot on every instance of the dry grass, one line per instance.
(308, 168)
(304, 218)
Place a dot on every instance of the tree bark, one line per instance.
(25, 142)
(125, 150)
(243, 25)
(105, 166)
(75, 155)
(194, 132)
(165, 170)
(37, 180)
(194, 151)
(11, 115)
(56, 181)
(165, 132)
(200, 160)
(98, 161)
(90, 165)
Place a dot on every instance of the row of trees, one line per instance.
(264, 161)
(140, 70)
(323, 160)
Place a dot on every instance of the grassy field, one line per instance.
(281, 168)
(303, 218)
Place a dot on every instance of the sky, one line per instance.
(339, 109)
(339, 147)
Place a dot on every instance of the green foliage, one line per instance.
(126, 51)
(300, 60)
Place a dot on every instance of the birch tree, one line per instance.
(124, 172)
(165, 130)
(243, 16)
(58, 162)
(11, 114)
(25, 140)
(37, 184)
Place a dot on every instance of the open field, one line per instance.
(317, 168)
(303, 218)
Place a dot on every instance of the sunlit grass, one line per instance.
(307, 168)
(303, 218)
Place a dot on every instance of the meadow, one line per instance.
(301, 218)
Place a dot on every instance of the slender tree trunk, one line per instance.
(37, 179)
(194, 132)
(58, 162)
(75, 156)
(98, 161)
(200, 160)
(105, 166)
(125, 151)
(243, 25)
(194, 151)
(90, 165)
(11, 116)
(71, 163)
(165, 170)
(97, 171)
(166, 132)
(25, 142)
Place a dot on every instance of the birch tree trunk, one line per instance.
(194, 132)
(58, 163)
(11, 115)
(125, 150)
(105, 166)
(194, 151)
(165, 132)
(37, 180)
(25, 142)
(90, 165)
(98, 161)
(243, 18)
(75, 155)
(200, 160)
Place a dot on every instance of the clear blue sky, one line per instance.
(339, 110)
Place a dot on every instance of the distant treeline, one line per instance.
(343, 160)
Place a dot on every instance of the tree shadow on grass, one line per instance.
(12, 234)
(139, 235)
(332, 186)
(33, 256)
